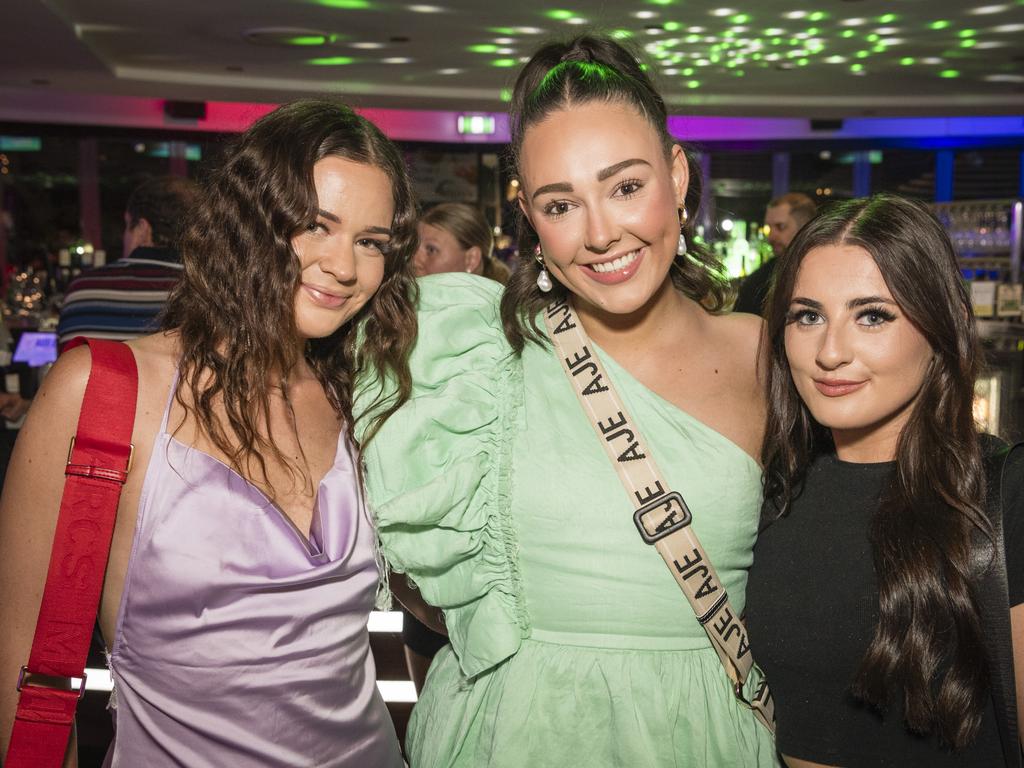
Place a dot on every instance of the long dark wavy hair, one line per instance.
(559, 76)
(234, 306)
(927, 647)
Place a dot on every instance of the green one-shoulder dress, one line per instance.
(571, 644)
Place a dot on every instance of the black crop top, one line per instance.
(812, 609)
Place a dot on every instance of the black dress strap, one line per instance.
(994, 607)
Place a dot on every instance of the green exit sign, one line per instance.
(20, 144)
(477, 125)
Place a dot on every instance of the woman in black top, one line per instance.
(863, 605)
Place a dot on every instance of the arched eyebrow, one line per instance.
(602, 175)
(371, 230)
(851, 304)
(611, 170)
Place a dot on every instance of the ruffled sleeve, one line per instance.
(438, 472)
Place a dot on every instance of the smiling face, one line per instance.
(342, 254)
(439, 252)
(857, 361)
(603, 199)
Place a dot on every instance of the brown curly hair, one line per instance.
(234, 306)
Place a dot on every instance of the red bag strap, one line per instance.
(99, 460)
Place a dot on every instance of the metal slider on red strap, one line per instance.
(24, 675)
(100, 473)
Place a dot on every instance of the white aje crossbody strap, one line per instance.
(661, 515)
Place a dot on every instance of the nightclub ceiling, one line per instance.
(785, 58)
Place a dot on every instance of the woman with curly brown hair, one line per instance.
(889, 575)
(571, 642)
(243, 567)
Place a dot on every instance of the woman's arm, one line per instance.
(413, 601)
(1017, 630)
(28, 518)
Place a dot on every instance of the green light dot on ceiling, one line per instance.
(483, 48)
(503, 63)
(887, 18)
(740, 18)
(941, 24)
(331, 61)
(728, 33)
(505, 95)
(503, 31)
(756, 56)
(906, 61)
(872, 38)
(818, 16)
(559, 14)
(861, 54)
(969, 43)
(345, 5)
(776, 41)
(688, 72)
(309, 40)
(622, 34)
(714, 58)
(802, 62)
(693, 38)
(949, 73)
(856, 67)
(738, 72)
(672, 26)
(847, 33)
(693, 84)
(813, 31)
(967, 32)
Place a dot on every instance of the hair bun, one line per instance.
(578, 52)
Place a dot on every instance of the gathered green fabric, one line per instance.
(571, 643)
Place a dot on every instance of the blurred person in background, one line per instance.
(123, 299)
(455, 237)
(783, 217)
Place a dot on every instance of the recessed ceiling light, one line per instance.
(836, 60)
(985, 10)
(396, 60)
(529, 30)
(670, 71)
(853, 22)
(990, 44)
(504, 40)
(1009, 28)
(425, 8)
(932, 60)
(1001, 78)
(366, 46)
(576, 20)
(505, 51)
(449, 71)
(887, 30)
(645, 14)
(723, 12)
(795, 14)
(288, 36)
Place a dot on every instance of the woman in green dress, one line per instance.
(570, 642)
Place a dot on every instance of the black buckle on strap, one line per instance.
(666, 514)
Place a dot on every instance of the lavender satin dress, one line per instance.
(239, 642)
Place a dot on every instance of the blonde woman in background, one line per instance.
(455, 237)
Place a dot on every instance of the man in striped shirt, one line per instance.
(123, 299)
